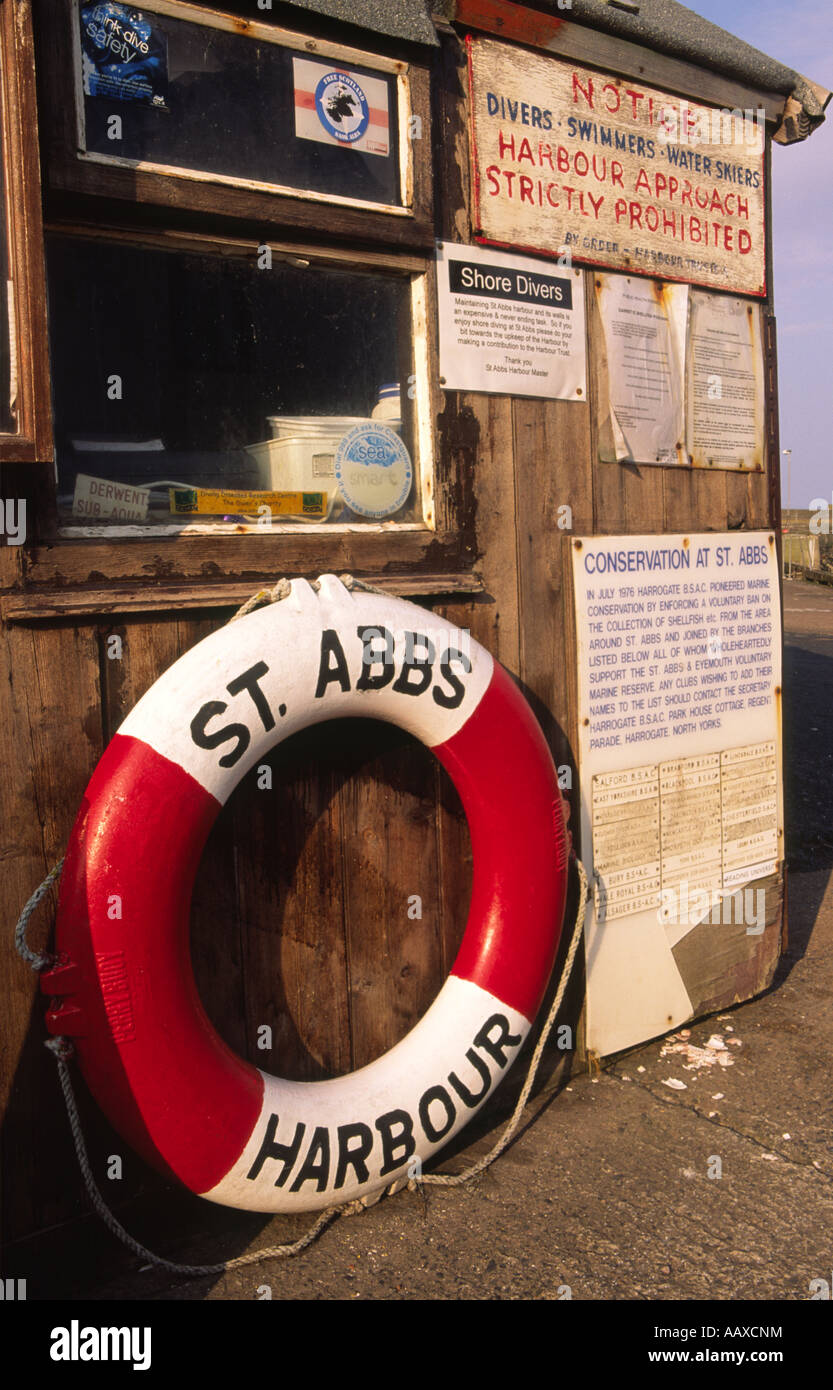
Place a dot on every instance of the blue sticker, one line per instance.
(373, 470)
(342, 107)
(122, 57)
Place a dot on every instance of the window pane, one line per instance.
(183, 95)
(208, 372)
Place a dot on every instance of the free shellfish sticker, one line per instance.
(621, 174)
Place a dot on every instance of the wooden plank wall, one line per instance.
(301, 917)
(304, 919)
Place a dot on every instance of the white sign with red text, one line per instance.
(622, 175)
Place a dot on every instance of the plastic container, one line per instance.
(300, 456)
(297, 463)
(388, 407)
(293, 426)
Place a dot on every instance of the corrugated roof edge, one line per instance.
(671, 28)
(401, 19)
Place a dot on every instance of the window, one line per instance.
(207, 380)
(164, 93)
(24, 386)
(246, 384)
(168, 103)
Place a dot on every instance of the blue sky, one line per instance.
(799, 34)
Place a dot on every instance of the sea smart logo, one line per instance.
(342, 107)
(373, 470)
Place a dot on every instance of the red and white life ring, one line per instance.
(124, 988)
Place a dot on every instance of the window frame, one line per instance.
(32, 441)
(73, 170)
(418, 270)
(52, 576)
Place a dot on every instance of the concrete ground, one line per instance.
(619, 1186)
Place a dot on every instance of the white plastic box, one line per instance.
(301, 455)
(292, 426)
(297, 463)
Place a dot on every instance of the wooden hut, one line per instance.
(534, 242)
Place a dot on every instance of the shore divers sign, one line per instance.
(622, 175)
(509, 324)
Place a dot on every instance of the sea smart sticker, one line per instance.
(374, 470)
(338, 106)
(122, 56)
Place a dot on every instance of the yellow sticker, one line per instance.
(204, 501)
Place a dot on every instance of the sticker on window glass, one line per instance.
(122, 56)
(340, 107)
(206, 501)
(100, 500)
(374, 470)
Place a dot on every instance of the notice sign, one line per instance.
(644, 326)
(725, 383)
(679, 686)
(510, 325)
(706, 822)
(339, 107)
(624, 175)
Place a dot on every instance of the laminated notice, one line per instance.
(510, 325)
(724, 383)
(709, 822)
(644, 327)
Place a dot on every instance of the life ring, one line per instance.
(124, 991)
